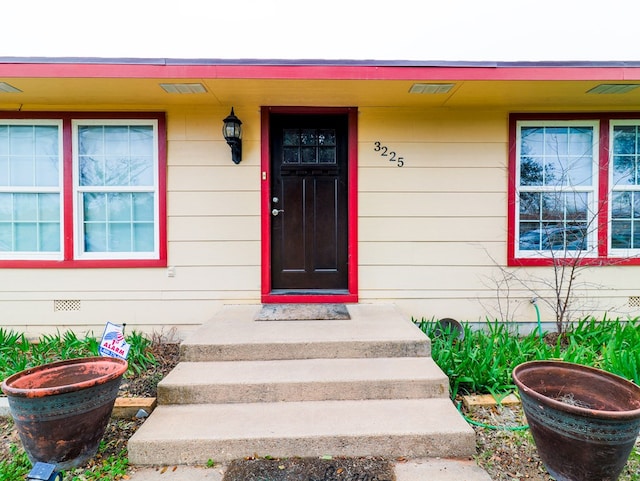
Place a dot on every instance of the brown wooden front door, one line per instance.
(309, 208)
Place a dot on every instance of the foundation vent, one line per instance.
(66, 305)
(634, 301)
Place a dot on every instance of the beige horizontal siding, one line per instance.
(432, 234)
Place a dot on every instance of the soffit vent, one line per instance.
(422, 88)
(9, 89)
(195, 88)
(613, 88)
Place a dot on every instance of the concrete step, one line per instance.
(303, 380)
(195, 433)
(373, 331)
(406, 470)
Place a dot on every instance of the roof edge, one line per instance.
(316, 62)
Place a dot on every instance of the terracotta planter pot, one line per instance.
(62, 409)
(584, 421)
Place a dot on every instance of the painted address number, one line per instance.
(385, 152)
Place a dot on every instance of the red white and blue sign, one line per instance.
(113, 343)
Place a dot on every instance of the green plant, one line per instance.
(140, 353)
(16, 467)
(17, 353)
(483, 360)
(113, 468)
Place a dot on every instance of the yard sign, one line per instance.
(113, 343)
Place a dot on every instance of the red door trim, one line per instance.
(265, 207)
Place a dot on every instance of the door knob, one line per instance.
(275, 212)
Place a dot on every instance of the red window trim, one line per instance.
(67, 165)
(603, 257)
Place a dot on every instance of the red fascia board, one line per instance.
(315, 72)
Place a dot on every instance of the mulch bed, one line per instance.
(310, 469)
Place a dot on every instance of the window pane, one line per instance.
(46, 140)
(290, 155)
(531, 171)
(29, 155)
(291, 137)
(530, 206)
(143, 208)
(119, 155)
(49, 237)
(624, 139)
(327, 137)
(576, 205)
(6, 236)
(6, 207)
(119, 207)
(49, 207)
(621, 205)
(91, 170)
(95, 207)
(119, 237)
(308, 137)
(552, 206)
(141, 141)
(142, 171)
(327, 155)
(530, 236)
(556, 141)
(95, 237)
(580, 171)
(4, 170)
(624, 168)
(4, 140)
(21, 140)
(621, 235)
(532, 141)
(47, 173)
(308, 155)
(581, 142)
(143, 235)
(25, 207)
(116, 141)
(90, 140)
(26, 237)
(21, 171)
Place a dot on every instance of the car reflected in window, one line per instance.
(570, 238)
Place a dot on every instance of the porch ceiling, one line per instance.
(64, 93)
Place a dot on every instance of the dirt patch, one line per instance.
(167, 356)
(311, 469)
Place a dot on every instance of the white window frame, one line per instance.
(26, 255)
(613, 252)
(592, 235)
(79, 252)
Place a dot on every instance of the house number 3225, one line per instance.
(385, 152)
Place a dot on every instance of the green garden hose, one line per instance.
(489, 426)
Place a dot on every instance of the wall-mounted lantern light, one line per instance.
(232, 131)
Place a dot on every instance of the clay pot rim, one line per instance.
(570, 408)
(119, 364)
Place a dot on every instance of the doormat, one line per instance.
(310, 469)
(303, 312)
